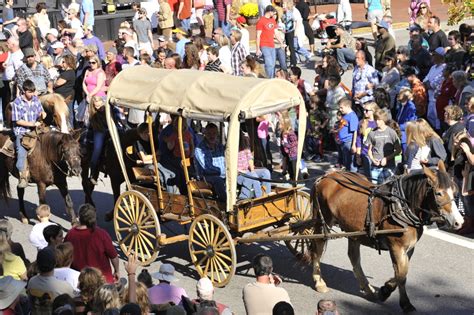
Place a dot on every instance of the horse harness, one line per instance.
(398, 206)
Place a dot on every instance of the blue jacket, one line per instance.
(406, 113)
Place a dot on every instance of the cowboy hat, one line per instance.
(9, 290)
(166, 273)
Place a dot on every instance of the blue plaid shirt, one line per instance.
(360, 79)
(27, 111)
(211, 162)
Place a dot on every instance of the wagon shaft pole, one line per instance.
(253, 239)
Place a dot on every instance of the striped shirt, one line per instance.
(214, 66)
(238, 57)
(27, 111)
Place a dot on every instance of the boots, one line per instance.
(23, 181)
(94, 176)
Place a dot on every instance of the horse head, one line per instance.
(441, 196)
(56, 108)
(63, 148)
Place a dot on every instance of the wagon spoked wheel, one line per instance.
(136, 226)
(212, 249)
(301, 247)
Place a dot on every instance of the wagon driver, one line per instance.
(211, 162)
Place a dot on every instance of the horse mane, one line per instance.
(51, 144)
(416, 184)
(55, 104)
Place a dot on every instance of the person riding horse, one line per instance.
(26, 110)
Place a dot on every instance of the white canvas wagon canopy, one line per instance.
(202, 95)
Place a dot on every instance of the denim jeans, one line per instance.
(226, 27)
(366, 164)
(99, 139)
(22, 154)
(248, 184)
(281, 56)
(70, 106)
(218, 184)
(300, 50)
(380, 174)
(186, 24)
(348, 156)
(269, 56)
(344, 56)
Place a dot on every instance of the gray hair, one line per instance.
(459, 77)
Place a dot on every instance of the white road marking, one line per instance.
(445, 236)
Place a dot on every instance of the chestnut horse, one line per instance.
(407, 201)
(55, 156)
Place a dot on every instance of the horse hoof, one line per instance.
(322, 288)
(409, 309)
(384, 294)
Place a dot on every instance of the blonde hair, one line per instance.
(405, 94)
(106, 297)
(90, 279)
(364, 124)
(414, 134)
(43, 211)
(426, 129)
(285, 122)
(142, 297)
(47, 61)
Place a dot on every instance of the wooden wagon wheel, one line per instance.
(301, 247)
(136, 226)
(212, 249)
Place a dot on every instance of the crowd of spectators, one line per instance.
(67, 279)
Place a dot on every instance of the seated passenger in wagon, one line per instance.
(210, 160)
(170, 155)
(246, 168)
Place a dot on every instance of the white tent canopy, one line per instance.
(202, 95)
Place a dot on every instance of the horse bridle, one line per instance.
(434, 215)
(68, 171)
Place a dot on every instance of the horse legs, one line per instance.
(63, 189)
(400, 260)
(354, 256)
(316, 253)
(116, 191)
(21, 202)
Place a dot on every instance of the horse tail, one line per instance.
(4, 180)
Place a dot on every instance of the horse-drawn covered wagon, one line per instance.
(388, 216)
(216, 226)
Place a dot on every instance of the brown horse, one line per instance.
(55, 156)
(410, 201)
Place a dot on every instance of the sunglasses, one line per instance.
(367, 110)
(93, 63)
(423, 7)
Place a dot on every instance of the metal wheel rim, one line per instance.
(136, 226)
(212, 249)
(301, 247)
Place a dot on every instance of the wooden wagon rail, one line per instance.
(274, 238)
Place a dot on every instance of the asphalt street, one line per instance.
(440, 280)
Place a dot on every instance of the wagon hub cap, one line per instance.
(134, 229)
(210, 251)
